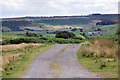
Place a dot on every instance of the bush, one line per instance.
(29, 34)
(106, 22)
(65, 34)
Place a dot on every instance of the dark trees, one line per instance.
(29, 34)
(65, 34)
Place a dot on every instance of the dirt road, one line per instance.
(58, 62)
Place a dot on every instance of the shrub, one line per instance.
(65, 34)
(106, 22)
(29, 34)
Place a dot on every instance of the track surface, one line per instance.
(58, 62)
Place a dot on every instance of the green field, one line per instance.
(10, 36)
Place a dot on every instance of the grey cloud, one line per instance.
(14, 8)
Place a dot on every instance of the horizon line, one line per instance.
(60, 15)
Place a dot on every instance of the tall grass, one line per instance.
(12, 52)
(7, 48)
(19, 59)
(102, 47)
(101, 56)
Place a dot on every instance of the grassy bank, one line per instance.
(101, 56)
(17, 65)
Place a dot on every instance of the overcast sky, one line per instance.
(21, 8)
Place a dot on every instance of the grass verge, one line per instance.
(108, 71)
(16, 68)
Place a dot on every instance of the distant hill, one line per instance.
(20, 24)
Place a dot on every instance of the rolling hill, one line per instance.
(50, 25)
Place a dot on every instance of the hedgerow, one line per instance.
(40, 40)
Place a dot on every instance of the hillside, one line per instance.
(92, 37)
(51, 25)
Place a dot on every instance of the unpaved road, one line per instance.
(58, 62)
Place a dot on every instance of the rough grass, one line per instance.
(110, 71)
(13, 51)
(18, 46)
(101, 56)
(102, 47)
(16, 67)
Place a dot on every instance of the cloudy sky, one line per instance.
(18, 8)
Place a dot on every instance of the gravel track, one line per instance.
(58, 62)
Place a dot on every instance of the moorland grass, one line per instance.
(110, 70)
(101, 56)
(16, 68)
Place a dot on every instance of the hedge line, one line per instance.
(40, 40)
